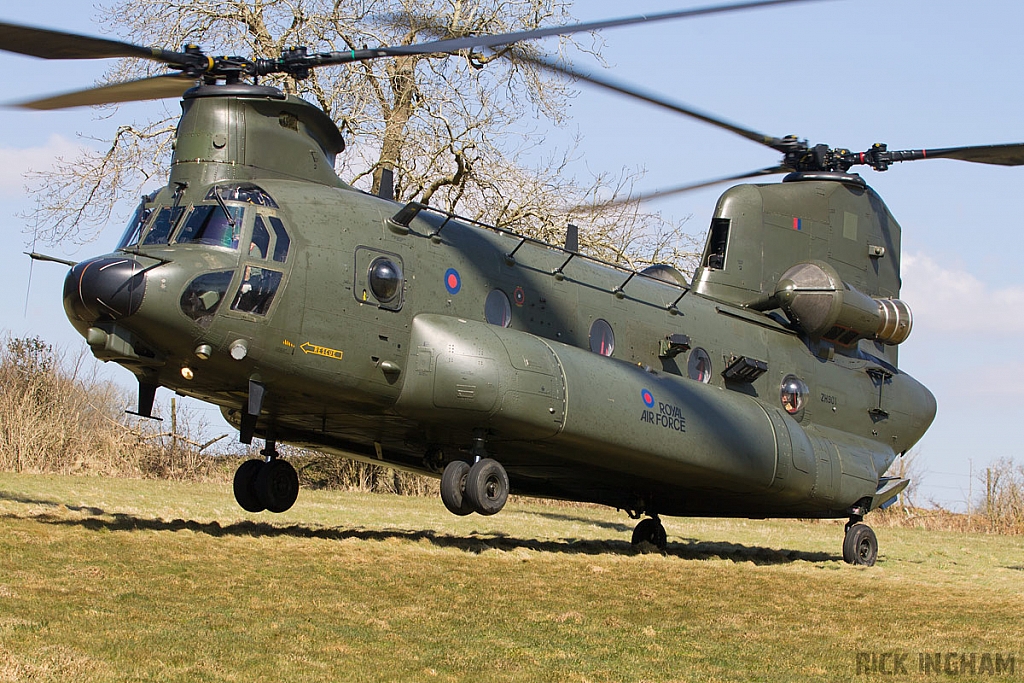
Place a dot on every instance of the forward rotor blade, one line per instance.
(1002, 155)
(775, 143)
(153, 88)
(660, 194)
(47, 44)
(456, 44)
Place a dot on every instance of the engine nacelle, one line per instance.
(814, 296)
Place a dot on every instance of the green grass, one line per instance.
(125, 580)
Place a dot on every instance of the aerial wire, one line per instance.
(32, 261)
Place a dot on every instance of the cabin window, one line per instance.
(385, 278)
(210, 224)
(379, 279)
(718, 241)
(602, 338)
(259, 285)
(793, 394)
(203, 295)
(698, 367)
(497, 309)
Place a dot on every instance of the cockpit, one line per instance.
(239, 221)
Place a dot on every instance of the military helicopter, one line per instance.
(318, 315)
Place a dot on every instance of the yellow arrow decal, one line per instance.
(321, 351)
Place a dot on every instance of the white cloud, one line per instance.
(963, 329)
(956, 301)
(15, 162)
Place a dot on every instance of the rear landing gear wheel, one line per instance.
(860, 545)
(245, 486)
(453, 487)
(652, 531)
(277, 485)
(487, 486)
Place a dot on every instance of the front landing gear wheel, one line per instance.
(277, 485)
(245, 486)
(651, 531)
(453, 488)
(860, 545)
(487, 486)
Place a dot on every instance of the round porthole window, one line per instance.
(497, 309)
(793, 394)
(602, 339)
(385, 278)
(698, 367)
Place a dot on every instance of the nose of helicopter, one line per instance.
(104, 288)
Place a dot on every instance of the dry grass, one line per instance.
(113, 580)
(939, 519)
(59, 418)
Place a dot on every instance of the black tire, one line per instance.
(453, 486)
(487, 486)
(651, 531)
(860, 545)
(245, 486)
(277, 485)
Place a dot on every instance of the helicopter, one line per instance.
(318, 315)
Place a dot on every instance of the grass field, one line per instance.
(126, 580)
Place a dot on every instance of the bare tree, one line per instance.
(908, 466)
(450, 127)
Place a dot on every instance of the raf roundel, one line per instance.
(452, 281)
(648, 398)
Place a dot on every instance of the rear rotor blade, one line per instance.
(779, 144)
(153, 88)
(668, 192)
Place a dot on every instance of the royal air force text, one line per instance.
(667, 415)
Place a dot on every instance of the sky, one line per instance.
(849, 73)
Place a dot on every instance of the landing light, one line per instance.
(187, 373)
(239, 349)
(203, 352)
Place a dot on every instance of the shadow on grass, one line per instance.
(474, 543)
(24, 500)
(562, 517)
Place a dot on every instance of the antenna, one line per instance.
(32, 261)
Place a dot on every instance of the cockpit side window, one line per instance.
(212, 225)
(282, 241)
(257, 291)
(160, 229)
(260, 246)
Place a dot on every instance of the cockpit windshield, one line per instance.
(160, 228)
(242, 192)
(218, 226)
(230, 216)
(133, 232)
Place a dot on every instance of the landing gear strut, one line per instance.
(860, 545)
(652, 531)
(271, 484)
